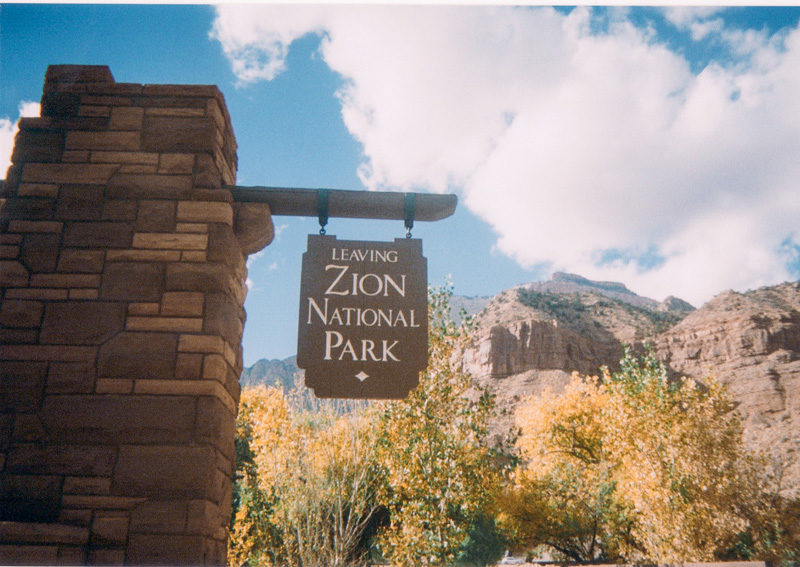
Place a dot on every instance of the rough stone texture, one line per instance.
(749, 341)
(122, 269)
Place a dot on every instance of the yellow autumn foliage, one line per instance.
(311, 485)
(633, 467)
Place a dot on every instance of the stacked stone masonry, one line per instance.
(122, 270)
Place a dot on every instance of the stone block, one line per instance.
(20, 313)
(132, 281)
(12, 274)
(138, 355)
(79, 323)
(37, 190)
(114, 140)
(143, 255)
(73, 460)
(90, 110)
(156, 216)
(70, 555)
(87, 485)
(224, 247)
(80, 202)
(10, 238)
(76, 74)
(118, 89)
(119, 419)
(175, 324)
(75, 517)
(176, 134)
(80, 501)
(137, 186)
(113, 386)
(21, 384)
(78, 260)
(109, 528)
(70, 378)
(136, 158)
(189, 366)
(16, 554)
(98, 235)
(159, 516)
(176, 163)
(184, 92)
(187, 388)
(199, 277)
(35, 226)
(200, 343)
(139, 169)
(106, 556)
(164, 471)
(61, 173)
(224, 316)
(126, 118)
(216, 424)
(29, 498)
(170, 241)
(144, 308)
(207, 173)
(9, 252)
(214, 367)
(84, 294)
(6, 423)
(144, 549)
(191, 227)
(65, 280)
(32, 532)
(176, 111)
(39, 252)
(76, 156)
(45, 352)
(41, 146)
(27, 428)
(36, 293)
(120, 210)
(60, 104)
(18, 336)
(193, 256)
(182, 303)
(28, 208)
(205, 211)
(204, 518)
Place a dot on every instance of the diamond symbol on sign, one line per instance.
(362, 375)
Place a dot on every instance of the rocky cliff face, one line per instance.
(534, 336)
(751, 343)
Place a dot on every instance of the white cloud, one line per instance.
(8, 130)
(569, 143)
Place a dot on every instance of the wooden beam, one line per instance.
(386, 205)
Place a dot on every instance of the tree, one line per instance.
(635, 467)
(440, 476)
(308, 491)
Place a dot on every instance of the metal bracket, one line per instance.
(322, 209)
(408, 212)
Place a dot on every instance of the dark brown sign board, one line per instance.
(363, 328)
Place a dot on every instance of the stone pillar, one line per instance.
(122, 269)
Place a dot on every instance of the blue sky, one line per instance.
(653, 146)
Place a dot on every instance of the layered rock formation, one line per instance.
(534, 336)
(751, 343)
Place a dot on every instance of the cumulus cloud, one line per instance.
(597, 152)
(8, 130)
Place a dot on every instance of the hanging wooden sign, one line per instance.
(363, 328)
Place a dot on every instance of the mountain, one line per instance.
(533, 336)
(271, 373)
